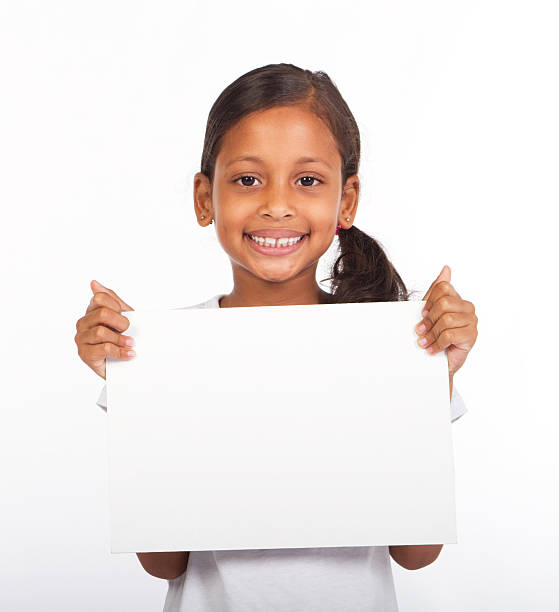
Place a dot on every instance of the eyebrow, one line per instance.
(301, 160)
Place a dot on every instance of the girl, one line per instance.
(279, 181)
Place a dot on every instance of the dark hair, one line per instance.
(362, 272)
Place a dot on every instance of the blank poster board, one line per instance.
(279, 427)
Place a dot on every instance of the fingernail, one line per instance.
(425, 313)
(421, 328)
(129, 342)
(423, 341)
(131, 353)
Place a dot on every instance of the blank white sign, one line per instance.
(279, 427)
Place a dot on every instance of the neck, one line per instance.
(249, 290)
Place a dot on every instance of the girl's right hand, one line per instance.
(99, 330)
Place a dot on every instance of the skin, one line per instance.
(278, 198)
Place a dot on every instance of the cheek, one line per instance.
(230, 226)
(325, 218)
(229, 211)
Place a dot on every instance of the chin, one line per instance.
(273, 278)
(278, 275)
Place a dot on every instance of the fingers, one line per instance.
(444, 332)
(444, 276)
(98, 332)
(458, 336)
(447, 305)
(101, 334)
(103, 316)
(103, 299)
(96, 287)
(96, 353)
(439, 291)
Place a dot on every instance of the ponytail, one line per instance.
(363, 273)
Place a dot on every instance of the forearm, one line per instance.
(166, 565)
(450, 377)
(415, 556)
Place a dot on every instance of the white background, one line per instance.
(103, 111)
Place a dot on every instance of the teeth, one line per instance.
(272, 242)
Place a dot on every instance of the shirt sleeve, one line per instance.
(457, 406)
(102, 400)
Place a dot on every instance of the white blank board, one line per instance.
(279, 427)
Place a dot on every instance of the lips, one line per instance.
(276, 250)
(276, 233)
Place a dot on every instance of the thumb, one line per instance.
(444, 275)
(97, 286)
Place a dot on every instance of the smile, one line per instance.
(275, 246)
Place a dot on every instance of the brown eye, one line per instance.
(241, 178)
(244, 180)
(312, 178)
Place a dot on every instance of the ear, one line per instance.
(349, 201)
(203, 199)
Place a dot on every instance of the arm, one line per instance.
(168, 565)
(417, 556)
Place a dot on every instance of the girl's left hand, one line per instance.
(450, 322)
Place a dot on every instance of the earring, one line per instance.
(202, 217)
(339, 227)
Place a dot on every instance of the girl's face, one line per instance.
(290, 187)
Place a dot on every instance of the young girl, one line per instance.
(279, 181)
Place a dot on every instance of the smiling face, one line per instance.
(291, 188)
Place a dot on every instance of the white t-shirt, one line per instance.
(327, 579)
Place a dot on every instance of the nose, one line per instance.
(277, 205)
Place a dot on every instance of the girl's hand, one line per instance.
(450, 322)
(98, 334)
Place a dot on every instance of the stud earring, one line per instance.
(339, 227)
